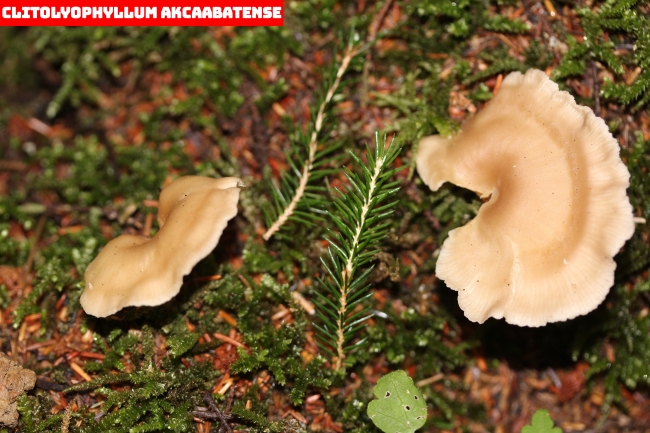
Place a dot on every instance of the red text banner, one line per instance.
(141, 13)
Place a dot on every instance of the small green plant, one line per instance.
(294, 196)
(400, 406)
(541, 423)
(361, 225)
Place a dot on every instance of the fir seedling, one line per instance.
(541, 423)
(294, 196)
(361, 225)
(400, 406)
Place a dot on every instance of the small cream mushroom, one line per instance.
(193, 212)
(541, 249)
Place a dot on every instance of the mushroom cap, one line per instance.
(541, 249)
(193, 212)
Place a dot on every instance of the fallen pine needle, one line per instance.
(22, 332)
(92, 355)
(70, 230)
(148, 221)
(150, 203)
(41, 344)
(80, 371)
(208, 278)
(32, 317)
(70, 356)
(497, 85)
(228, 318)
(227, 339)
(429, 380)
(223, 380)
(280, 314)
(550, 8)
(226, 386)
(304, 303)
(39, 127)
(298, 416)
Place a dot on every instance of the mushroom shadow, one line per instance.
(522, 347)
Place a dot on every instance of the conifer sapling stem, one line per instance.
(308, 165)
(361, 227)
(348, 272)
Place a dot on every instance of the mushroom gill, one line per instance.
(541, 249)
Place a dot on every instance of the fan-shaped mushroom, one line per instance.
(540, 250)
(193, 212)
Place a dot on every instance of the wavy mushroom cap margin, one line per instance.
(541, 249)
(132, 270)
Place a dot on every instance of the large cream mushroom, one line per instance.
(541, 249)
(193, 212)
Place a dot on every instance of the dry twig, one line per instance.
(214, 412)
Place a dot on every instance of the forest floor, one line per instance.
(507, 373)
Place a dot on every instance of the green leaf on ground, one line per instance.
(541, 423)
(400, 407)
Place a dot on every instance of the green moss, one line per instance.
(212, 71)
(260, 259)
(616, 22)
(256, 415)
(463, 18)
(276, 350)
(13, 251)
(35, 414)
(636, 253)
(50, 278)
(156, 398)
(95, 178)
(178, 344)
(423, 107)
(624, 321)
(625, 324)
(500, 62)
